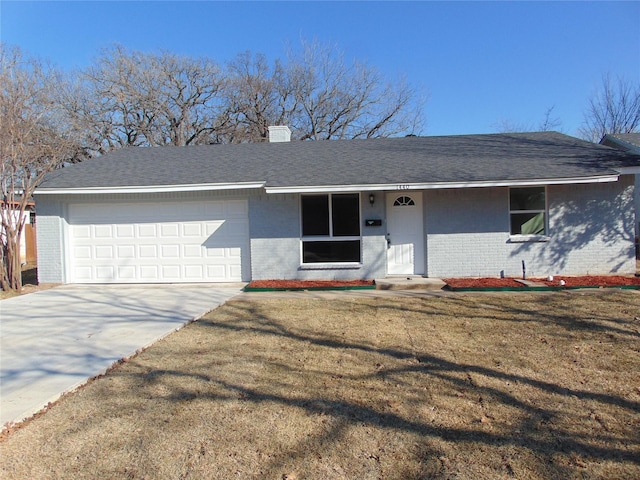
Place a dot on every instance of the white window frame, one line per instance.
(523, 238)
(330, 237)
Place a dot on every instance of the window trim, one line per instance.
(330, 237)
(524, 238)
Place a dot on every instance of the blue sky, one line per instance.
(478, 62)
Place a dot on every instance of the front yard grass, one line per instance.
(464, 386)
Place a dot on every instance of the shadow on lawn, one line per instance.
(490, 307)
(543, 442)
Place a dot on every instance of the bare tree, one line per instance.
(33, 141)
(336, 100)
(256, 95)
(548, 123)
(318, 95)
(614, 108)
(506, 125)
(132, 98)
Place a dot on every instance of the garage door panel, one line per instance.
(217, 210)
(82, 252)
(169, 230)
(236, 207)
(215, 252)
(125, 231)
(170, 272)
(212, 227)
(235, 270)
(235, 229)
(149, 273)
(83, 274)
(216, 271)
(148, 231)
(126, 251)
(191, 230)
(83, 231)
(104, 252)
(192, 251)
(103, 231)
(105, 273)
(127, 273)
(169, 251)
(147, 251)
(158, 242)
(193, 272)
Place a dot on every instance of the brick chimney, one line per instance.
(279, 133)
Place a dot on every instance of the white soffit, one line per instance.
(151, 188)
(441, 185)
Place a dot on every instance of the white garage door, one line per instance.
(159, 242)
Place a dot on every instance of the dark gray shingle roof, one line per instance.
(463, 158)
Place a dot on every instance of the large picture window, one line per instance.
(331, 228)
(527, 211)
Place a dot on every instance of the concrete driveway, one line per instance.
(54, 340)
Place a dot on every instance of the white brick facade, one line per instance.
(50, 240)
(276, 246)
(591, 231)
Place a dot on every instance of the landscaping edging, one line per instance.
(303, 289)
(308, 285)
(302, 286)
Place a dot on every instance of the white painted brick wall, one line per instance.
(274, 230)
(49, 240)
(275, 241)
(468, 232)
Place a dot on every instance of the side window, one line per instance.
(528, 210)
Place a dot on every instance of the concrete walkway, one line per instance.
(54, 340)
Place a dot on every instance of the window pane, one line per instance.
(527, 224)
(315, 215)
(404, 201)
(527, 198)
(345, 209)
(321, 252)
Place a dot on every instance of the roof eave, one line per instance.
(150, 188)
(442, 185)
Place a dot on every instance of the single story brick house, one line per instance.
(448, 206)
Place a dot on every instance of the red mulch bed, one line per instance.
(485, 282)
(583, 281)
(593, 281)
(302, 284)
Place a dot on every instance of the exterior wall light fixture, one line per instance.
(372, 199)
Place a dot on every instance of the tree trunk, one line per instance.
(11, 278)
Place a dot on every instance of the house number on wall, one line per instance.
(403, 187)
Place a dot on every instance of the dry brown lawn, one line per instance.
(461, 386)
